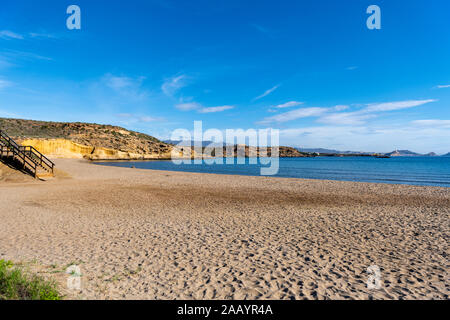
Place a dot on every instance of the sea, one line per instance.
(420, 171)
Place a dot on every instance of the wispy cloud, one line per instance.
(133, 118)
(5, 84)
(5, 63)
(352, 68)
(267, 92)
(333, 116)
(215, 109)
(8, 114)
(126, 86)
(294, 115)
(341, 107)
(9, 35)
(259, 28)
(173, 84)
(121, 82)
(371, 111)
(288, 105)
(432, 123)
(42, 35)
(443, 86)
(369, 138)
(13, 58)
(389, 106)
(345, 118)
(190, 106)
(264, 30)
(10, 58)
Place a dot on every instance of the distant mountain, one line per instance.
(407, 153)
(187, 143)
(446, 155)
(330, 151)
(318, 150)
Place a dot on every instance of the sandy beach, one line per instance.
(142, 234)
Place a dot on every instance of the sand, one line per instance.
(142, 234)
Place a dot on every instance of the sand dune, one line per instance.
(141, 234)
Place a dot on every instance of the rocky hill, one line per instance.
(284, 152)
(407, 153)
(87, 140)
(101, 142)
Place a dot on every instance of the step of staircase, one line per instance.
(44, 175)
(31, 158)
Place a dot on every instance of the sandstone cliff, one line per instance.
(85, 140)
(105, 142)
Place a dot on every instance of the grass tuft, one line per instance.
(15, 285)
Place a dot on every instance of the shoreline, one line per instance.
(409, 183)
(150, 234)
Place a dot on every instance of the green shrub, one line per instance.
(15, 285)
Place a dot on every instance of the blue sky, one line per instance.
(309, 68)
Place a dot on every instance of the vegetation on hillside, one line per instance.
(89, 134)
(16, 285)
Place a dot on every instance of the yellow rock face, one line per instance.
(59, 148)
(62, 148)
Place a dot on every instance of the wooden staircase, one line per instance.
(25, 158)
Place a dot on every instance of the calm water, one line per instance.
(425, 171)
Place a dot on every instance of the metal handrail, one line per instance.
(16, 152)
(21, 153)
(32, 150)
(43, 159)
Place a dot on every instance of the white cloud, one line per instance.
(173, 84)
(295, 114)
(4, 63)
(360, 116)
(126, 86)
(9, 35)
(369, 139)
(267, 92)
(117, 83)
(215, 109)
(432, 123)
(443, 86)
(7, 114)
(341, 107)
(390, 106)
(15, 55)
(5, 84)
(352, 68)
(188, 106)
(345, 118)
(42, 35)
(333, 116)
(133, 118)
(260, 28)
(149, 119)
(288, 104)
